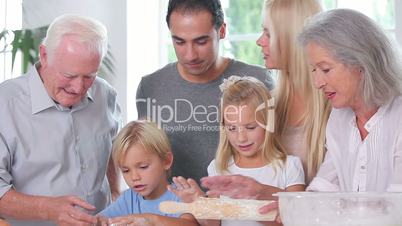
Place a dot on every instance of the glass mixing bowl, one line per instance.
(340, 209)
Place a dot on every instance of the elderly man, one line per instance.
(57, 124)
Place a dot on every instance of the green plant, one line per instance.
(28, 40)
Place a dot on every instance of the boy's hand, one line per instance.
(102, 221)
(134, 220)
(187, 190)
(4, 223)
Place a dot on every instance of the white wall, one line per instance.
(398, 22)
(112, 13)
(145, 28)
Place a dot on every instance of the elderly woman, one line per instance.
(354, 64)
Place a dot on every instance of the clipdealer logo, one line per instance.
(270, 105)
(167, 113)
(266, 108)
(182, 111)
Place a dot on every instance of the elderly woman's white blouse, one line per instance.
(374, 164)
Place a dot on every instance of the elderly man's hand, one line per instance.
(234, 186)
(66, 210)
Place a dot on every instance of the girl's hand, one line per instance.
(133, 220)
(268, 208)
(187, 190)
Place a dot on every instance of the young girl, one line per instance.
(247, 145)
(142, 151)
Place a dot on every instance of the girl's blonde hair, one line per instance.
(253, 93)
(141, 132)
(295, 77)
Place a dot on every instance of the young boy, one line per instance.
(142, 151)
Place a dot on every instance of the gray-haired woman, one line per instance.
(354, 64)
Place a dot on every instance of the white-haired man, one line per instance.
(57, 124)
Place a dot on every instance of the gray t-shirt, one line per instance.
(189, 113)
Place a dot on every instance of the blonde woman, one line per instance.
(301, 112)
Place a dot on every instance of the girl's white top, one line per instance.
(290, 174)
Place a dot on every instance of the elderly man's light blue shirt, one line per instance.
(47, 149)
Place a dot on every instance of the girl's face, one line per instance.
(145, 172)
(264, 41)
(244, 134)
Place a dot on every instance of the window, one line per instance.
(382, 11)
(10, 19)
(243, 18)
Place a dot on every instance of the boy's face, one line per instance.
(145, 172)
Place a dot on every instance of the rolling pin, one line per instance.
(220, 209)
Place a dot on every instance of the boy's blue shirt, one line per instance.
(131, 202)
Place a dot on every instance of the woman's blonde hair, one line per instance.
(248, 91)
(141, 132)
(295, 77)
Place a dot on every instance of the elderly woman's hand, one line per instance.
(234, 186)
(270, 207)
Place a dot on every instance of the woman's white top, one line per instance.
(290, 174)
(372, 164)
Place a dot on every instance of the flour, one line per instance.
(340, 211)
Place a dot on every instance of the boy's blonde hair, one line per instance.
(295, 78)
(141, 132)
(253, 93)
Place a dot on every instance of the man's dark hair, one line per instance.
(212, 6)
